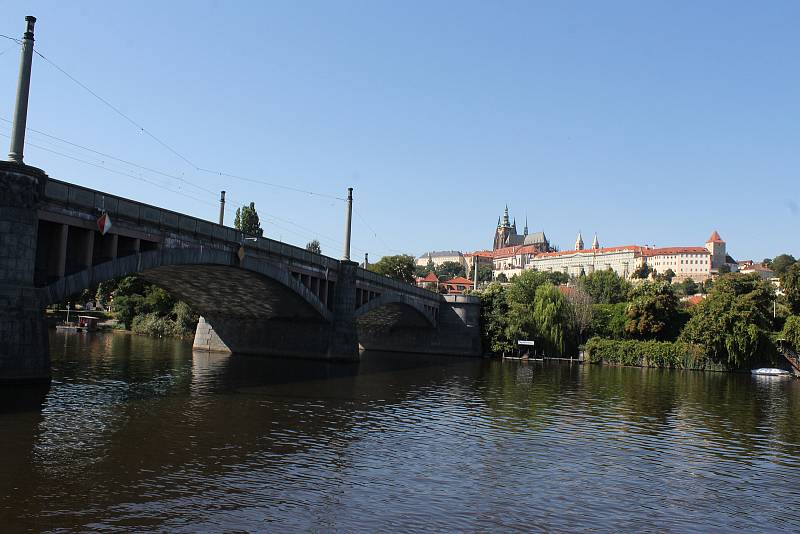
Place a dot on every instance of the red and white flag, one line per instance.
(104, 223)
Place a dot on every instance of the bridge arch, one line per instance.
(209, 279)
(392, 309)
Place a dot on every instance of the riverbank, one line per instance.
(659, 354)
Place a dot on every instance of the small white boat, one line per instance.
(770, 371)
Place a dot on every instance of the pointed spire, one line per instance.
(505, 217)
(498, 221)
(595, 242)
(525, 231)
(579, 241)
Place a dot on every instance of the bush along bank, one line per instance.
(662, 354)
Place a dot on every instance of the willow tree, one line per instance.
(551, 315)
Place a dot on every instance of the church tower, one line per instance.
(579, 242)
(595, 243)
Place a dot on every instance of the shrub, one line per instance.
(791, 331)
(664, 354)
(152, 324)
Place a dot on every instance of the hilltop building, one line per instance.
(697, 263)
(438, 257)
(506, 235)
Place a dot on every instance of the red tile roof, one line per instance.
(694, 300)
(480, 253)
(430, 277)
(663, 251)
(715, 238)
(633, 248)
(459, 280)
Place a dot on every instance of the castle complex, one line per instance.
(513, 252)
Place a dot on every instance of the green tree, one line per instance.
(790, 285)
(157, 300)
(724, 268)
(791, 331)
(551, 317)
(399, 267)
(687, 287)
(642, 272)
(781, 263)
(502, 278)
(314, 246)
(734, 322)
(608, 320)
(247, 221)
(669, 274)
(494, 319)
(450, 269)
(605, 287)
(653, 313)
(484, 273)
(521, 296)
(557, 278)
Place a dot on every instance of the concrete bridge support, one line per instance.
(23, 334)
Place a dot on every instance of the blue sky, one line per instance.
(646, 122)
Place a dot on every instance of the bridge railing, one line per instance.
(391, 283)
(84, 198)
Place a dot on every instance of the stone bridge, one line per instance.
(257, 296)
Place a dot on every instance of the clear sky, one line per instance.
(646, 122)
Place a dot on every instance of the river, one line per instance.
(138, 434)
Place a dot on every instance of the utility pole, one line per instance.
(222, 207)
(475, 271)
(348, 224)
(23, 90)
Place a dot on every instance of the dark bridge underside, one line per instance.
(231, 292)
(392, 315)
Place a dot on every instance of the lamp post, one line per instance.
(23, 90)
(348, 224)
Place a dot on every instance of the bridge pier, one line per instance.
(24, 351)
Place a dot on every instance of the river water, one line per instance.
(137, 434)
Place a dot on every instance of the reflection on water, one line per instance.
(143, 435)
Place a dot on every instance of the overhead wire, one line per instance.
(115, 171)
(173, 151)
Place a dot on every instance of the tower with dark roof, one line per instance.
(506, 235)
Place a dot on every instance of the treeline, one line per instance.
(645, 322)
(146, 308)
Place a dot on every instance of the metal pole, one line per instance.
(222, 207)
(23, 90)
(348, 223)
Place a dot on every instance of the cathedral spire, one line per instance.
(579, 242)
(525, 230)
(595, 242)
(505, 218)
